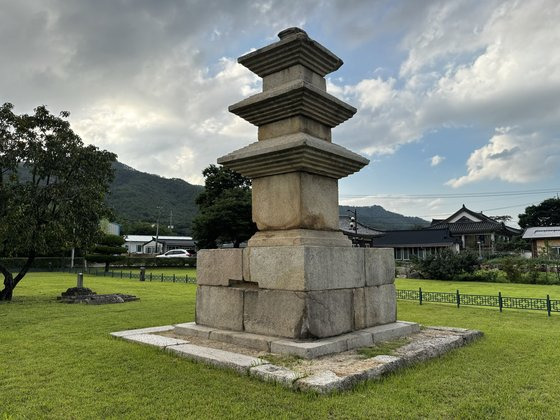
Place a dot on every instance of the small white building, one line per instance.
(146, 244)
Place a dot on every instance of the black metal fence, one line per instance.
(456, 298)
(148, 276)
(496, 301)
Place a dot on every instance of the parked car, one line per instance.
(177, 253)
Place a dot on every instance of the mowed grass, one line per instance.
(58, 361)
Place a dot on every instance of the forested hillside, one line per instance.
(379, 218)
(135, 196)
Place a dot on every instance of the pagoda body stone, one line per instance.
(299, 276)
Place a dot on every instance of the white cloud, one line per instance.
(436, 160)
(513, 157)
(180, 137)
(158, 97)
(489, 66)
(142, 80)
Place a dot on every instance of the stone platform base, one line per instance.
(297, 292)
(306, 349)
(327, 374)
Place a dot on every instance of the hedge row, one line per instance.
(42, 262)
(56, 263)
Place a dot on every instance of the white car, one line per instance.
(176, 253)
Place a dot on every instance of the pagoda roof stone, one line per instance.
(294, 153)
(290, 99)
(295, 47)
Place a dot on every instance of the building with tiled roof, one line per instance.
(416, 243)
(475, 231)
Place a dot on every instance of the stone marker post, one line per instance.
(299, 277)
(80, 281)
(142, 273)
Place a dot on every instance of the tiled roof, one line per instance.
(475, 227)
(415, 238)
(471, 227)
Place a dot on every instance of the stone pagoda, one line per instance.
(299, 277)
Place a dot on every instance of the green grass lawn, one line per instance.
(58, 361)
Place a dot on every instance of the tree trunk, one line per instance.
(106, 266)
(10, 282)
(7, 292)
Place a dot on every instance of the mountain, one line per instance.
(378, 218)
(135, 196)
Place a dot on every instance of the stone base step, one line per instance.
(307, 349)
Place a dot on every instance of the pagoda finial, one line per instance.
(291, 31)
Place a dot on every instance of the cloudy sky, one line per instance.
(458, 101)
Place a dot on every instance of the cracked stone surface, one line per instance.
(273, 373)
(330, 373)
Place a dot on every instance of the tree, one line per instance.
(546, 213)
(224, 209)
(107, 250)
(516, 244)
(52, 188)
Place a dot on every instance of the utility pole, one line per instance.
(157, 228)
(170, 220)
(73, 248)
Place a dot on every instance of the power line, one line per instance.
(452, 195)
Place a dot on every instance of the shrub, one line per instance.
(446, 265)
(512, 267)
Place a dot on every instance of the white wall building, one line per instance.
(146, 244)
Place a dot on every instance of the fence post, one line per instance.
(548, 305)
(186, 278)
(112, 274)
(420, 294)
(121, 274)
(173, 277)
(130, 274)
(500, 302)
(162, 277)
(142, 274)
(150, 276)
(458, 299)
